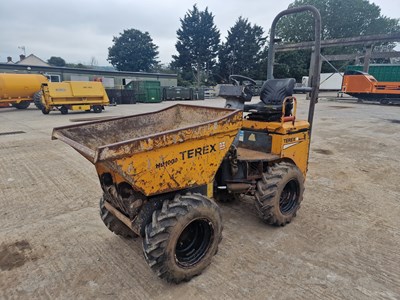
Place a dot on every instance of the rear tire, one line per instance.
(183, 237)
(21, 105)
(279, 194)
(37, 100)
(45, 111)
(63, 110)
(97, 109)
(384, 101)
(112, 223)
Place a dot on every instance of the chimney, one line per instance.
(21, 57)
(9, 59)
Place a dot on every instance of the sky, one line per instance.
(79, 31)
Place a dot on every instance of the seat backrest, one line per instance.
(274, 91)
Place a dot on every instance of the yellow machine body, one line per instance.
(74, 94)
(16, 88)
(80, 107)
(178, 147)
(290, 140)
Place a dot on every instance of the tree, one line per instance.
(56, 61)
(340, 19)
(241, 54)
(197, 45)
(292, 64)
(133, 50)
(163, 68)
(77, 66)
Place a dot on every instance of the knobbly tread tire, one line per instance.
(269, 190)
(37, 100)
(166, 227)
(112, 223)
(21, 105)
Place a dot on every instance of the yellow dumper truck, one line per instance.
(161, 173)
(158, 168)
(19, 90)
(73, 95)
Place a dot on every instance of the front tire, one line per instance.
(63, 110)
(183, 237)
(279, 194)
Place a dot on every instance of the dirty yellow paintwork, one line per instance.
(177, 166)
(74, 93)
(289, 141)
(203, 131)
(176, 148)
(167, 164)
(294, 147)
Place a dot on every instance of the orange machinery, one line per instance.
(365, 87)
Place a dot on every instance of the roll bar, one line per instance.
(316, 70)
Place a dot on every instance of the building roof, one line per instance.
(40, 69)
(32, 60)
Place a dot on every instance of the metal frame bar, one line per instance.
(351, 41)
(316, 70)
(120, 216)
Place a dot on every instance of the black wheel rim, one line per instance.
(194, 242)
(289, 197)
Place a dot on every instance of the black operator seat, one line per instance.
(272, 94)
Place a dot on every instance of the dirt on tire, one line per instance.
(282, 182)
(183, 237)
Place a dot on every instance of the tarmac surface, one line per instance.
(343, 244)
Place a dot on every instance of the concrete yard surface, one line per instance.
(343, 244)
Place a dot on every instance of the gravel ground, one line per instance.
(343, 244)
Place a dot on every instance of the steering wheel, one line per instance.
(239, 80)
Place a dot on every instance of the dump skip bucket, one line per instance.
(175, 148)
